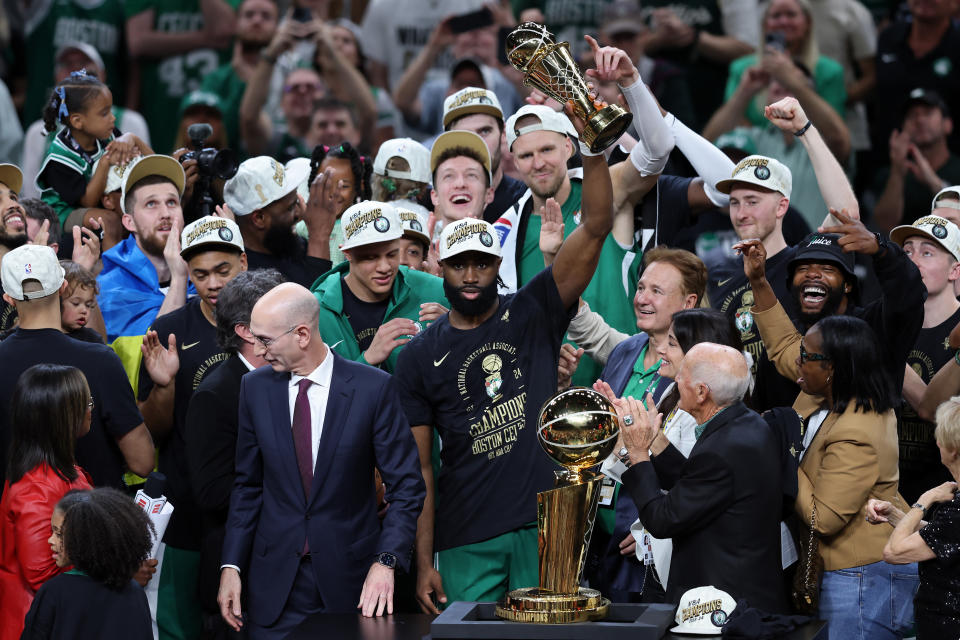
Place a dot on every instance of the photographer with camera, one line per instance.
(206, 169)
(263, 198)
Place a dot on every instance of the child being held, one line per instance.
(73, 174)
(80, 316)
(106, 537)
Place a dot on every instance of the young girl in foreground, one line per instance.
(106, 537)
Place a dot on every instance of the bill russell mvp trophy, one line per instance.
(549, 67)
(578, 428)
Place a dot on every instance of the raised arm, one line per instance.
(406, 93)
(788, 115)
(146, 41)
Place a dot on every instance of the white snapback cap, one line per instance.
(703, 611)
(469, 234)
(259, 182)
(470, 100)
(416, 155)
(31, 262)
(761, 171)
(208, 233)
(414, 219)
(369, 222)
(550, 120)
(934, 228)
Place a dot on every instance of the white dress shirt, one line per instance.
(317, 393)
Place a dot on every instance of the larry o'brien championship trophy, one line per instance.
(578, 428)
(549, 67)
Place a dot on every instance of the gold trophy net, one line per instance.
(578, 428)
(549, 67)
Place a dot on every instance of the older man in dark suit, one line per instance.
(303, 524)
(724, 502)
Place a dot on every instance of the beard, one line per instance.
(281, 241)
(471, 308)
(829, 308)
(12, 240)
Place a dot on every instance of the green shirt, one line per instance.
(164, 81)
(410, 290)
(224, 83)
(642, 381)
(827, 81)
(610, 292)
(700, 428)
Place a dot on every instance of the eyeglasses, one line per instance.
(266, 342)
(805, 356)
(305, 87)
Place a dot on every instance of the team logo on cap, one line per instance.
(466, 231)
(416, 226)
(762, 173)
(28, 268)
(486, 239)
(939, 231)
(381, 224)
(225, 234)
(718, 618)
(277, 172)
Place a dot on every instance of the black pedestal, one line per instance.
(623, 622)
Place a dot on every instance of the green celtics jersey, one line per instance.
(164, 81)
(65, 151)
(610, 292)
(51, 24)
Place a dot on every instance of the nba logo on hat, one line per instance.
(27, 268)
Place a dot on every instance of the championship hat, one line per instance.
(703, 611)
(414, 219)
(210, 232)
(468, 234)
(259, 182)
(369, 222)
(31, 262)
(295, 166)
(466, 139)
(471, 100)
(153, 165)
(760, 171)
(939, 230)
(416, 155)
(550, 120)
(11, 176)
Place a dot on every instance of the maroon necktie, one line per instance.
(302, 436)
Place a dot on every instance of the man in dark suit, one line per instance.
(723, 504)
(303, 524)
(212, 429)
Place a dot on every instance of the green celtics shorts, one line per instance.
(485, 571)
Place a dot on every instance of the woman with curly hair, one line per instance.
(106, 537)
(50, 409)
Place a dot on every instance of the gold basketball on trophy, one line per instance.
(549, 67)
(578, 428)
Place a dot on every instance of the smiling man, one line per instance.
(13, 228)
(477, 376)
(369, 305)
(462, 178)
(144, 276)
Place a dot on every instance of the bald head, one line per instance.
(287, 304)
(723, 369)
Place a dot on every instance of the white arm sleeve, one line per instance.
(710, 163)
(654, 140)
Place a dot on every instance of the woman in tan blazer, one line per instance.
(850, 454)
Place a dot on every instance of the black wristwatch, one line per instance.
(388, 560)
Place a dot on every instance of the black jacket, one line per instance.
(722, 510)
(212, 447)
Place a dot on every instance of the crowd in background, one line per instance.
(788, 193)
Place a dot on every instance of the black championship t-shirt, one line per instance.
(364, 317)
(729, 291)
(482, 389)
(199, 353)
(920, 467)
(115, 410)
(299, 268)
(86, 334)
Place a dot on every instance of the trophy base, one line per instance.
(533, 605)
(604, 127)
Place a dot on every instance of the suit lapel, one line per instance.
(338, 405)
(282, 427)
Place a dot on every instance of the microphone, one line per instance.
(150, 498)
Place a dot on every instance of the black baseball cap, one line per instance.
(822, 248)
(928, 97)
